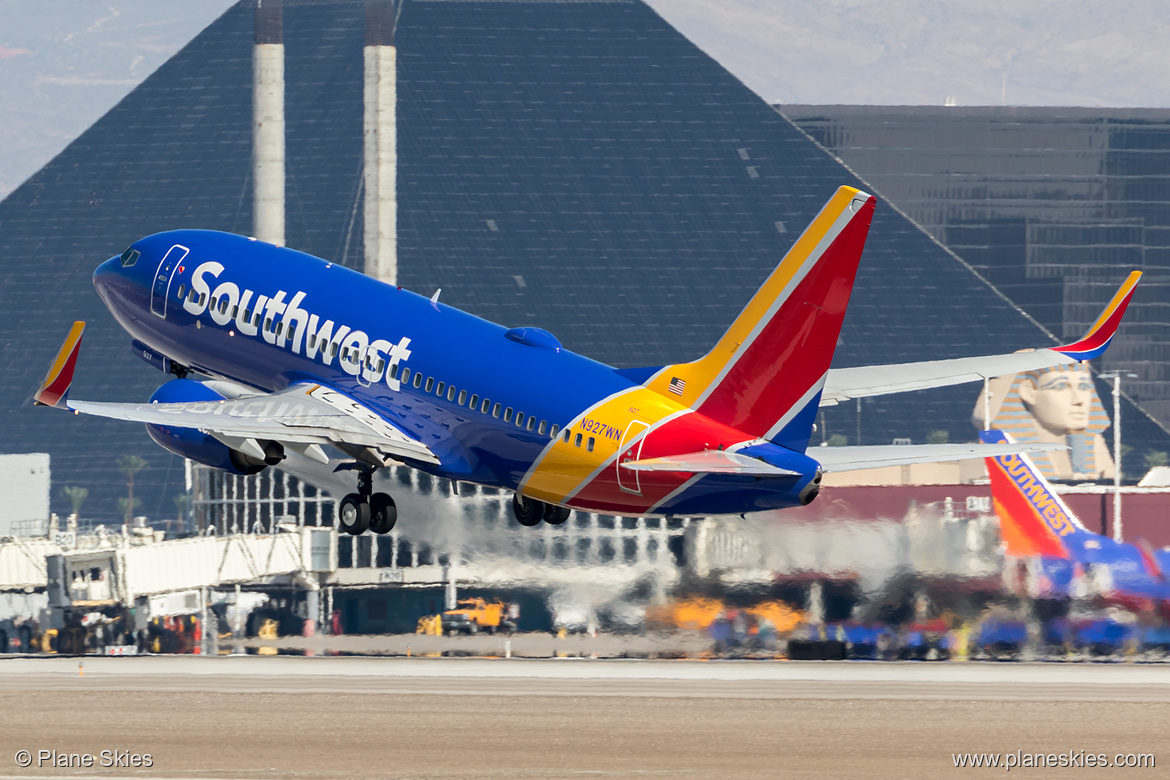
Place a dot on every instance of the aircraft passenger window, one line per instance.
(532, 422)
(381, 362)
(268, 327)
(463, 397)
(223, 304)
(439, 390)
(495, 410)
(577, 441)
(202, 298)
(345, 354)
(486, 404)
(236, 310)
(590, 445)
(212, 304)
(519, 419)
(182, 291)
(279, 328)
(191, 296)
(543, 427)
(568, 433)
(333, 348)
(312, 339)
(394, 371)
(451, 394)
(553, 431)
(417, 380)
(247, 315)
(430, 383)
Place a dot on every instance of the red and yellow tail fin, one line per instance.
(54, 391)
(765, 375)
(1033, 520)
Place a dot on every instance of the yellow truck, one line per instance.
(469, 617)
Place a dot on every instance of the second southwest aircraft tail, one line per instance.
(1033, 518)
(765, 375)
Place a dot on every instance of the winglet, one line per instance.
(1096, 340)
(54, 391)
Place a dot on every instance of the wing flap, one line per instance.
(877, 456)
(302, 414)
(709, 462)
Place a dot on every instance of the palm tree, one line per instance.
(130, 465)
(76, 496)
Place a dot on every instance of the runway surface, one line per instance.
(296, 717)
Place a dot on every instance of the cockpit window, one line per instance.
(129, 258)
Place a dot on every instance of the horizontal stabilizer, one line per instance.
(873, 457)
(709, 462)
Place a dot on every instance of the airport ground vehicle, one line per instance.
(469, 617)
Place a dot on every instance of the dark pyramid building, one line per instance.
(578, 166)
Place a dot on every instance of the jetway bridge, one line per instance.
(107, 569)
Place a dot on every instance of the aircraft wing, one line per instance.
(877, 456)
(709, 462)
(301, 415)
(842, 384)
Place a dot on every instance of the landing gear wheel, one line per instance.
(383, 513)
(353, 514)
(555, 515)
(528, 511)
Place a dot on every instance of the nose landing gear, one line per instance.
(364, 510)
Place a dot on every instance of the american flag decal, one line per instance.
(677, 385)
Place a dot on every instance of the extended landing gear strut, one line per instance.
(362, 510)
(529, 512)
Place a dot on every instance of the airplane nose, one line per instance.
(105, 274)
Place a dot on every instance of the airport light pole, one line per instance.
(1116, 377)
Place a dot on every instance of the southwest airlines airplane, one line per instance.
(297, 353)
(1035, 522)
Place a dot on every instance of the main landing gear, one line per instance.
(362, 510)
(529, 512)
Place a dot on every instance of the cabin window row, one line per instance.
(472, 401)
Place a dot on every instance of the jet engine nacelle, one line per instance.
(196, 445)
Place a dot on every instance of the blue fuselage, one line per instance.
(268, 317)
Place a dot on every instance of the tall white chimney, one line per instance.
(268, 123)
(380, 139)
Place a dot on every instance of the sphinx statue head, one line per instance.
(1052, 405)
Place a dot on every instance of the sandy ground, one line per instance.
(461, 718)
